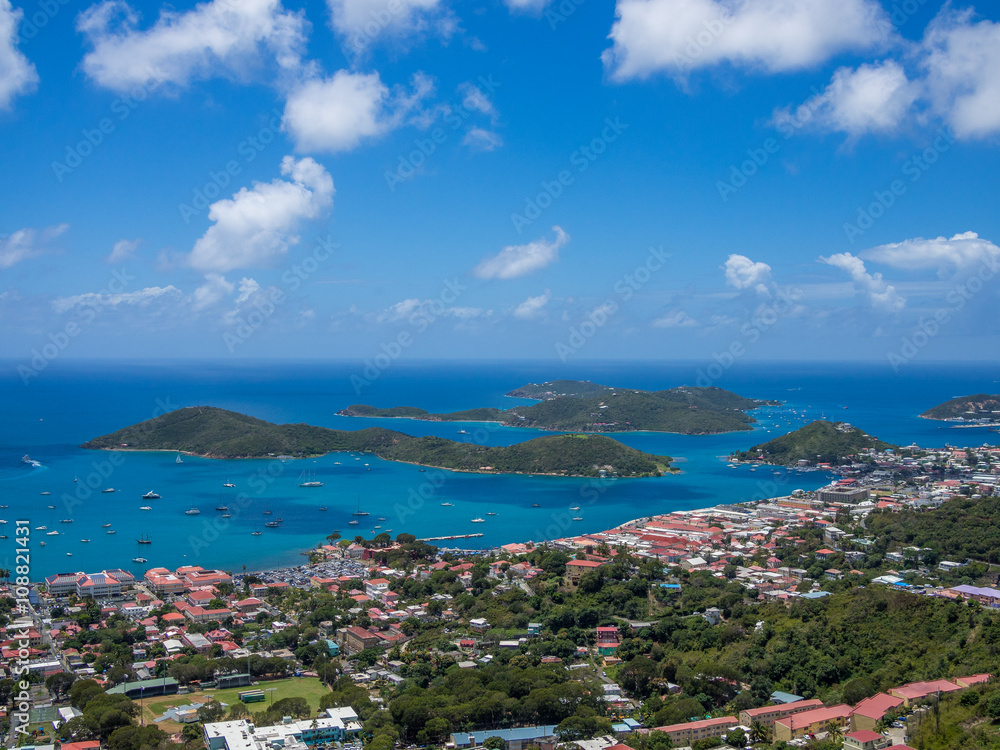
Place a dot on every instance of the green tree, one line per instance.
(495, 743)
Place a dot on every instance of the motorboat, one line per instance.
(192, 512)
(151, 496)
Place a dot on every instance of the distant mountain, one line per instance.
(556, 388)
(218, 433)
(817, 442)
(976, 406)
(484, 414)
(572, 406)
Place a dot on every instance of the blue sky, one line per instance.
(574, 179)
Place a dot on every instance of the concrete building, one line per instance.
(865, 739)
(685, 734)
(770, 714)
(515, 739)
(810, 722)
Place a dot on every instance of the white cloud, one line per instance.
(479, 139)
(336, 113)
(122, 250)
(218, 37)
(678, 36)
(27, 243)
(526, 6)
(870, 98)
(518, 260)
(258, 224)
(532, 307)
(17, 74)
(474, 98)
(142, 297)
(743, 273)
(427, 310)
(962, 63)
(363, 23)
(675, 319)
(211, 292)
(944, 254)
(879, 293)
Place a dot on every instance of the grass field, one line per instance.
(310, 688)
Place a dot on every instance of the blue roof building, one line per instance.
(516, 739)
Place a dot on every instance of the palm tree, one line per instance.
(758, 732)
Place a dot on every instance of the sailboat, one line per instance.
(178, 461)
(360, 512)
(228, 483)
(144, 540)
(308, 481)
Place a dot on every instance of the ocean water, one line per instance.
(71, 402)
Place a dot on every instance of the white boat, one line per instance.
(478, 520)
(577, 519)
(178, 461)
(139, 559)
(84, 540)
(66, 520)
(192, 512)
(447, 505)
(112, 531)
(491, 513)
(52, 533)
(41, 528)
(108, 489)
(227, 483)
(106, 526)
(150, 496)
(46, 492)
(42, 543)
(256, 533)
(575, 507)
(145, 507)
(353, 522)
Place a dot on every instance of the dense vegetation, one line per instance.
(582, 406)
(963, 528)
(556, 388)
(967, 407)
(484, 414)
(213, 432)
(818, 442)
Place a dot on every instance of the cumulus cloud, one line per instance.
(364, 23)
(140, 298)
(944, 254)
(879, 293)
(962, 65)
(519, 260)
(675, 319)
(17, 74)
(475, 99)
(211, 292)
(532, 307)
(872, 98)
(218, 37)
(743, 273)
(27, 243)
(337, 113)
(258, 224)
(427, 310)
(678, 36)
(122, 250)
(480, 139)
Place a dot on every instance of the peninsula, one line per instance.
(977, 406)
(217, 433)
(582, 406)
(819, 442)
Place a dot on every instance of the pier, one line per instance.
(453, 536)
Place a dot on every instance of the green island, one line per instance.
(832, 443)
(217, 433)
(977, 406)
(582, 406)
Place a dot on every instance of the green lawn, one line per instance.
(310, 688)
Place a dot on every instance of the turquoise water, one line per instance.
(70, 403)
